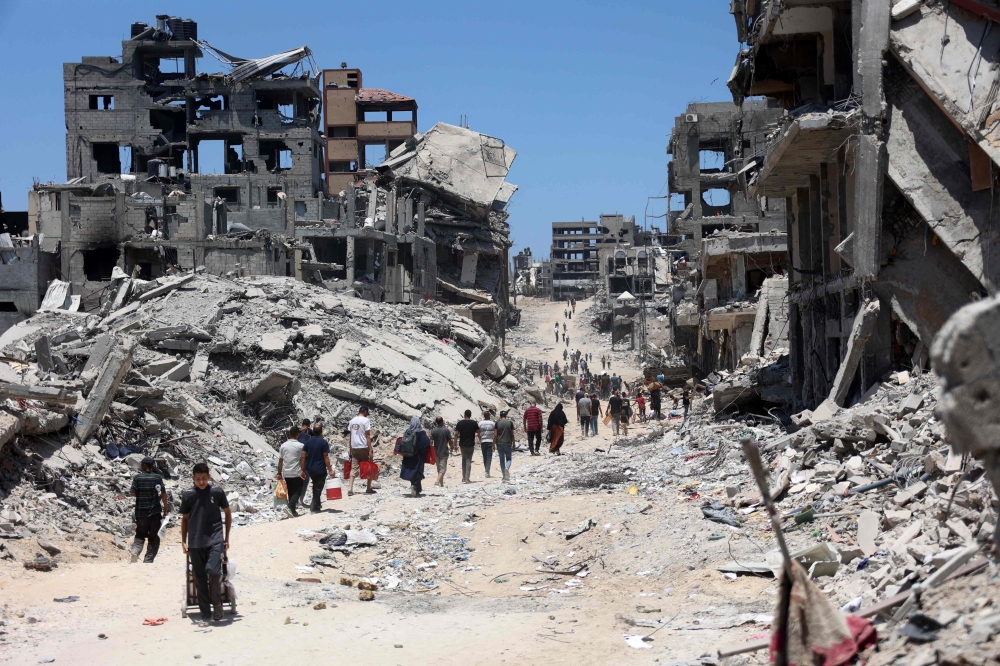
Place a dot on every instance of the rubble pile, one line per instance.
(195, 367)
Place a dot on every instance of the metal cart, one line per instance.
(190, 597)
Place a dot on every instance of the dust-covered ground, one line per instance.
(648, 570)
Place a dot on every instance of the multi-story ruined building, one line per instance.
(164, 163)
(358, 118)
(576, 269)
(707, 145)
(886, 162)
(171, 167)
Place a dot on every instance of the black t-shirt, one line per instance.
(467, 429)
(204, 511)
(615, 404)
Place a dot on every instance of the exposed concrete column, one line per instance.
(738, 273)
(469, 262)
(420, 219)
(351, 221)
(390, 212)
(864, 325)
(349, 261)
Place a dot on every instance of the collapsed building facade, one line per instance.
(168, 167)
(885, 160)
(576, 253)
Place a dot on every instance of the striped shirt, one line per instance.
(533, 419)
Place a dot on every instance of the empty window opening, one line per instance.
(170, 121)
(276, 155)
(348, 132)
(102, 102)
(716, 202)
(286, 111)
(712, 161)
(7, 306)
(401, 116)
(125, 159)
(99, 263)
(352, 80)
(374, 155)
(300, 210)
(343, 167)
(272, 196)
(234, 158)
(216, 103)
(211, 156)
(228, 194)
(376, 116)
(107, 157)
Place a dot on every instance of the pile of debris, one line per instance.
(194, 367)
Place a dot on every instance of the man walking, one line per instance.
(583, 408)
(316, 461)
(203, 540)
(487, 437)
(533, 426)
(305, 432)
(686, 401)
(290, 470)
(505, 443)
(150, 494)
(444, 445)
(596, 413)
(361, 447)
(557, 333)
(654, 399)
(615, 409)
(465, 432)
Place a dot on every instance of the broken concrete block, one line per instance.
(103, 392)
(864, 325)
(337, 361)
(43, 354)
(126, 413)
(345, 391)
(482, 360)
(496, 368)
(826, 410)
(911, 531)
(42, 421)
(180, 345)
(312, 333)
(397, 408)
(165, 286)
(241, 434)
(830, 430)
(934, 462)
(274, 380)
(915, 490)
(893, 518)
(199, 368)
(47, 394)
(179, 372)
(275, 341)
(909, 404)
(158, 367)
(868, 531)
(960, 529)
(150, 424)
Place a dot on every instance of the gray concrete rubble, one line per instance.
(75, 433)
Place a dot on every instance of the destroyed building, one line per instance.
(169, 166)
(358, 119)
(229, 172)
(575, 253)
(707, 146)
(885, 160)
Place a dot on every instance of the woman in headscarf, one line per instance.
(412, 469)
(557, 423)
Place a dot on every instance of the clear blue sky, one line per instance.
(586, 92)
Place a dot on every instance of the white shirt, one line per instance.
(359, 426)
(486, 431)
(291, 456)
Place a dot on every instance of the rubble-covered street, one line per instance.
(767, 408)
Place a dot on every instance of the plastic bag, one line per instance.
(368, 471)
(162, 532)
(431, 457)
(281, 490)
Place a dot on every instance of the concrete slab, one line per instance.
(337, 361)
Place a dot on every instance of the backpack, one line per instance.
(408, 446)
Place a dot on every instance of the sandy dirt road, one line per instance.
(652, 561)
